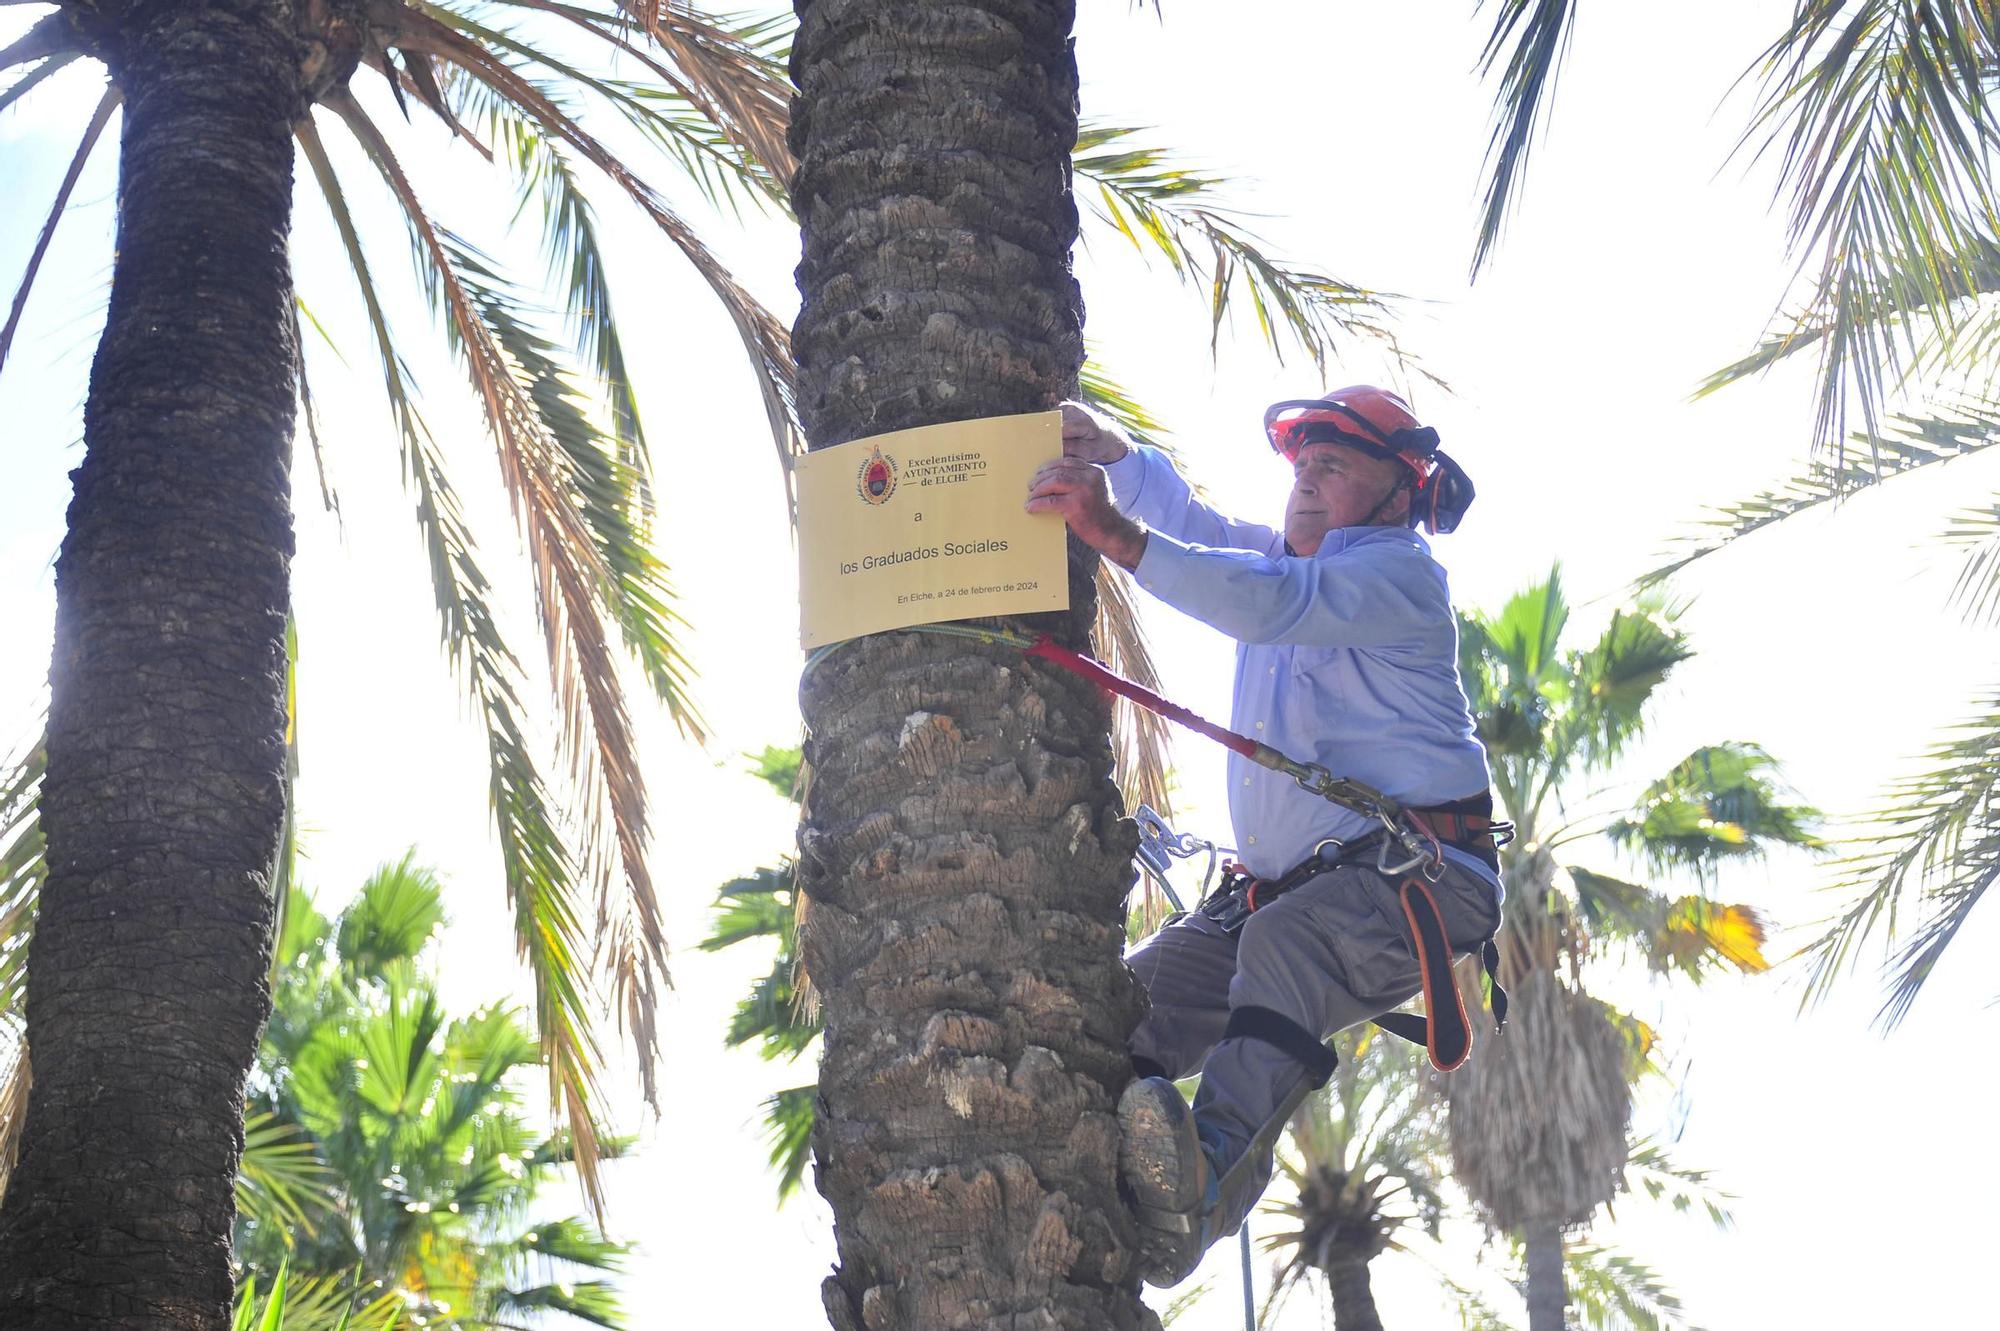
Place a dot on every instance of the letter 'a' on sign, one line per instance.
(927, 525)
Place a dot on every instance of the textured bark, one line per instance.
(963, 853)
(1548, 1294)
(1353, 1295)
(163, 803)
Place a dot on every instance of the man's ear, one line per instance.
(1399, 503)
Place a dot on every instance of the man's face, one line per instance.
(1337, 486)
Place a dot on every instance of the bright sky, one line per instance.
(1638, 262)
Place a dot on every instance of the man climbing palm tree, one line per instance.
(1347, 659)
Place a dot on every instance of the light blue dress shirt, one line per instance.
(1347, 658)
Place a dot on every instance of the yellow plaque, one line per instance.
(927, 525)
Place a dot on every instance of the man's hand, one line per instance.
(1079, 492)
(1090, 437)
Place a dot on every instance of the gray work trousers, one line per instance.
(1327, 955)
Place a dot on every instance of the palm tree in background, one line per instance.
(1365, 1159)
(1368, 1167)
(190, 578)
(1880, 116)
(429, 1162)
(1539, 1118)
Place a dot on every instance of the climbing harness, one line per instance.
(1405, 843)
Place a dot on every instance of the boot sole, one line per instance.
(1157, 1145)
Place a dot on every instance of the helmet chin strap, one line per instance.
(1376, 512)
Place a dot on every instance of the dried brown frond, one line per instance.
(15, 1080)
(596, 730)
(1539, 1115)
(92, 132)
(1141, 742)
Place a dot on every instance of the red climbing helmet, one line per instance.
(1380, 424)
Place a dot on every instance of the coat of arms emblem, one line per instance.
(877, 478)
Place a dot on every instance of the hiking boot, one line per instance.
(1173, 1186)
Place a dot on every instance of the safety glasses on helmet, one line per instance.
(1443, 491)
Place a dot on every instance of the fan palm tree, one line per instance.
(171, 581)
(1539, 1118)
(1367, 1161)
(430, 1163)
(1880, 115)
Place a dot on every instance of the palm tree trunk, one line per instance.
(962, 849)
(1547, 1293)
(1353, 1294)
(164, 798)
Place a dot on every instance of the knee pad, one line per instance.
(1285, 1035)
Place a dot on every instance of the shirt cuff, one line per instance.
(1163, 567)
(1127, 476)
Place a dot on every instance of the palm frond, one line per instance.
(91, 133)
(539, 869)
(1977, 591)
(782, 769)
(22, 86)
(721, 103)
(50, 35)
(542, 440)
(756, 906)
(735, 72)
(458, 40)
(1883, 111)
(281, 1181)
(788, 1122)
(1937, 347)
(1533, 36)
(576, 261)
(398, 911)
(1141, 741)
(593, 1301)
(1609, 1291)
(1179, 213)
(320, 1303)
(1096, 386)
(1722, 802)
(1680, 1187)
(1689, 934)
(21, 871)
(1909, 443)
(1618, 674)
(1935, 849)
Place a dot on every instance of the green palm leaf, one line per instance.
(788, 1122)
(1934, 851)
(1612, 1292)
(1722, 802)
(281, 1181)
(1178, 213)
(1681, 1188)
(1882, 110)
(1532, 36)
(1911, 443)
(538, 865)
(1977, 591)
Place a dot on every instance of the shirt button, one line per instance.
(1260, 725)
(1253, 840)
(1274, 670)
(1246, 780)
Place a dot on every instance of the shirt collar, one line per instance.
(1346, 538)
